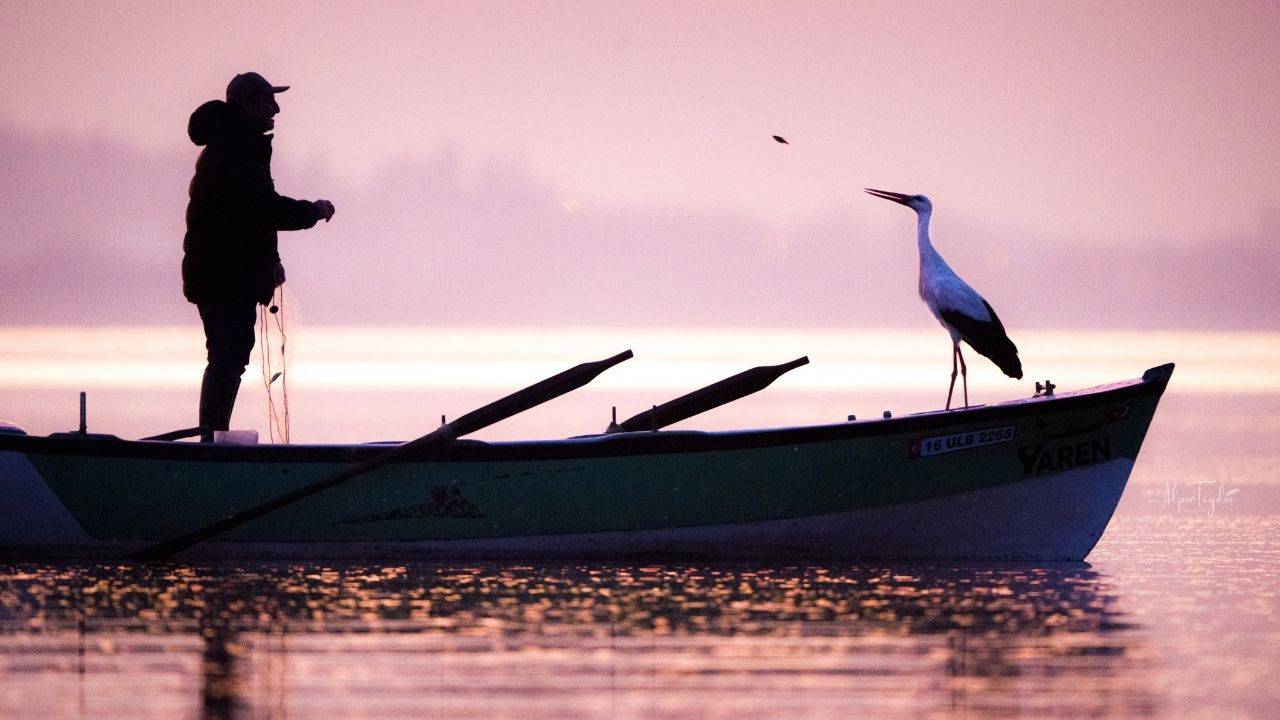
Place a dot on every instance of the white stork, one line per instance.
(958, 307)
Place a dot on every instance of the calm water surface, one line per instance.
(1177, 614)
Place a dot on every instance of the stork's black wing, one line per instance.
(988, 338)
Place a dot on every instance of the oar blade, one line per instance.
(710, 397)
(535, 394)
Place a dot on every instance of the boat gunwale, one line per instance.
(625, 444)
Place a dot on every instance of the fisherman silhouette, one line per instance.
(230, 263)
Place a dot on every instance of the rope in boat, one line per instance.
(277, 416)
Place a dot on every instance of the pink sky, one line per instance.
(583, 142)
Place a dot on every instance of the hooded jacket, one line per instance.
(234, 211)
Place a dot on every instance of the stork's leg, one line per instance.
(955, 349)
(964, 373)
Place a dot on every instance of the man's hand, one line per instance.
(325, 208)
(279, 272)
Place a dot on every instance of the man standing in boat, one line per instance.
(230, 263)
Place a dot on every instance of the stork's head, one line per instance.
(919, 203)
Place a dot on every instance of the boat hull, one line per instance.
(1036, 479)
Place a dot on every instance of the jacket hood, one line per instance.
(216, 119)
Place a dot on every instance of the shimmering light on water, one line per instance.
(1177, 617)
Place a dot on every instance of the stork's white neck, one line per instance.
(922, 232)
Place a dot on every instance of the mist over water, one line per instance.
(426, 241)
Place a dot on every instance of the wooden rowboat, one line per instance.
(1029, 479)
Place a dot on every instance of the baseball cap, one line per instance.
(246, 85)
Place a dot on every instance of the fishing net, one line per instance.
(273, 323)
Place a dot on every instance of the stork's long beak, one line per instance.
(900, 198)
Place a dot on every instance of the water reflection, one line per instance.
(282, 640)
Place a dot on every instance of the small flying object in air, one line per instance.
(957, 306)
(781, 139)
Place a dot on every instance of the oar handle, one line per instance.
(180, 434)
(710, 397)
(496, 411)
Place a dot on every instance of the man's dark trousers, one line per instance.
(228, 332)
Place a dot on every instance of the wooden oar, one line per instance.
(517, 402)
(709, 397)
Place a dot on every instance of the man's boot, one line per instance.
(217, 399)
